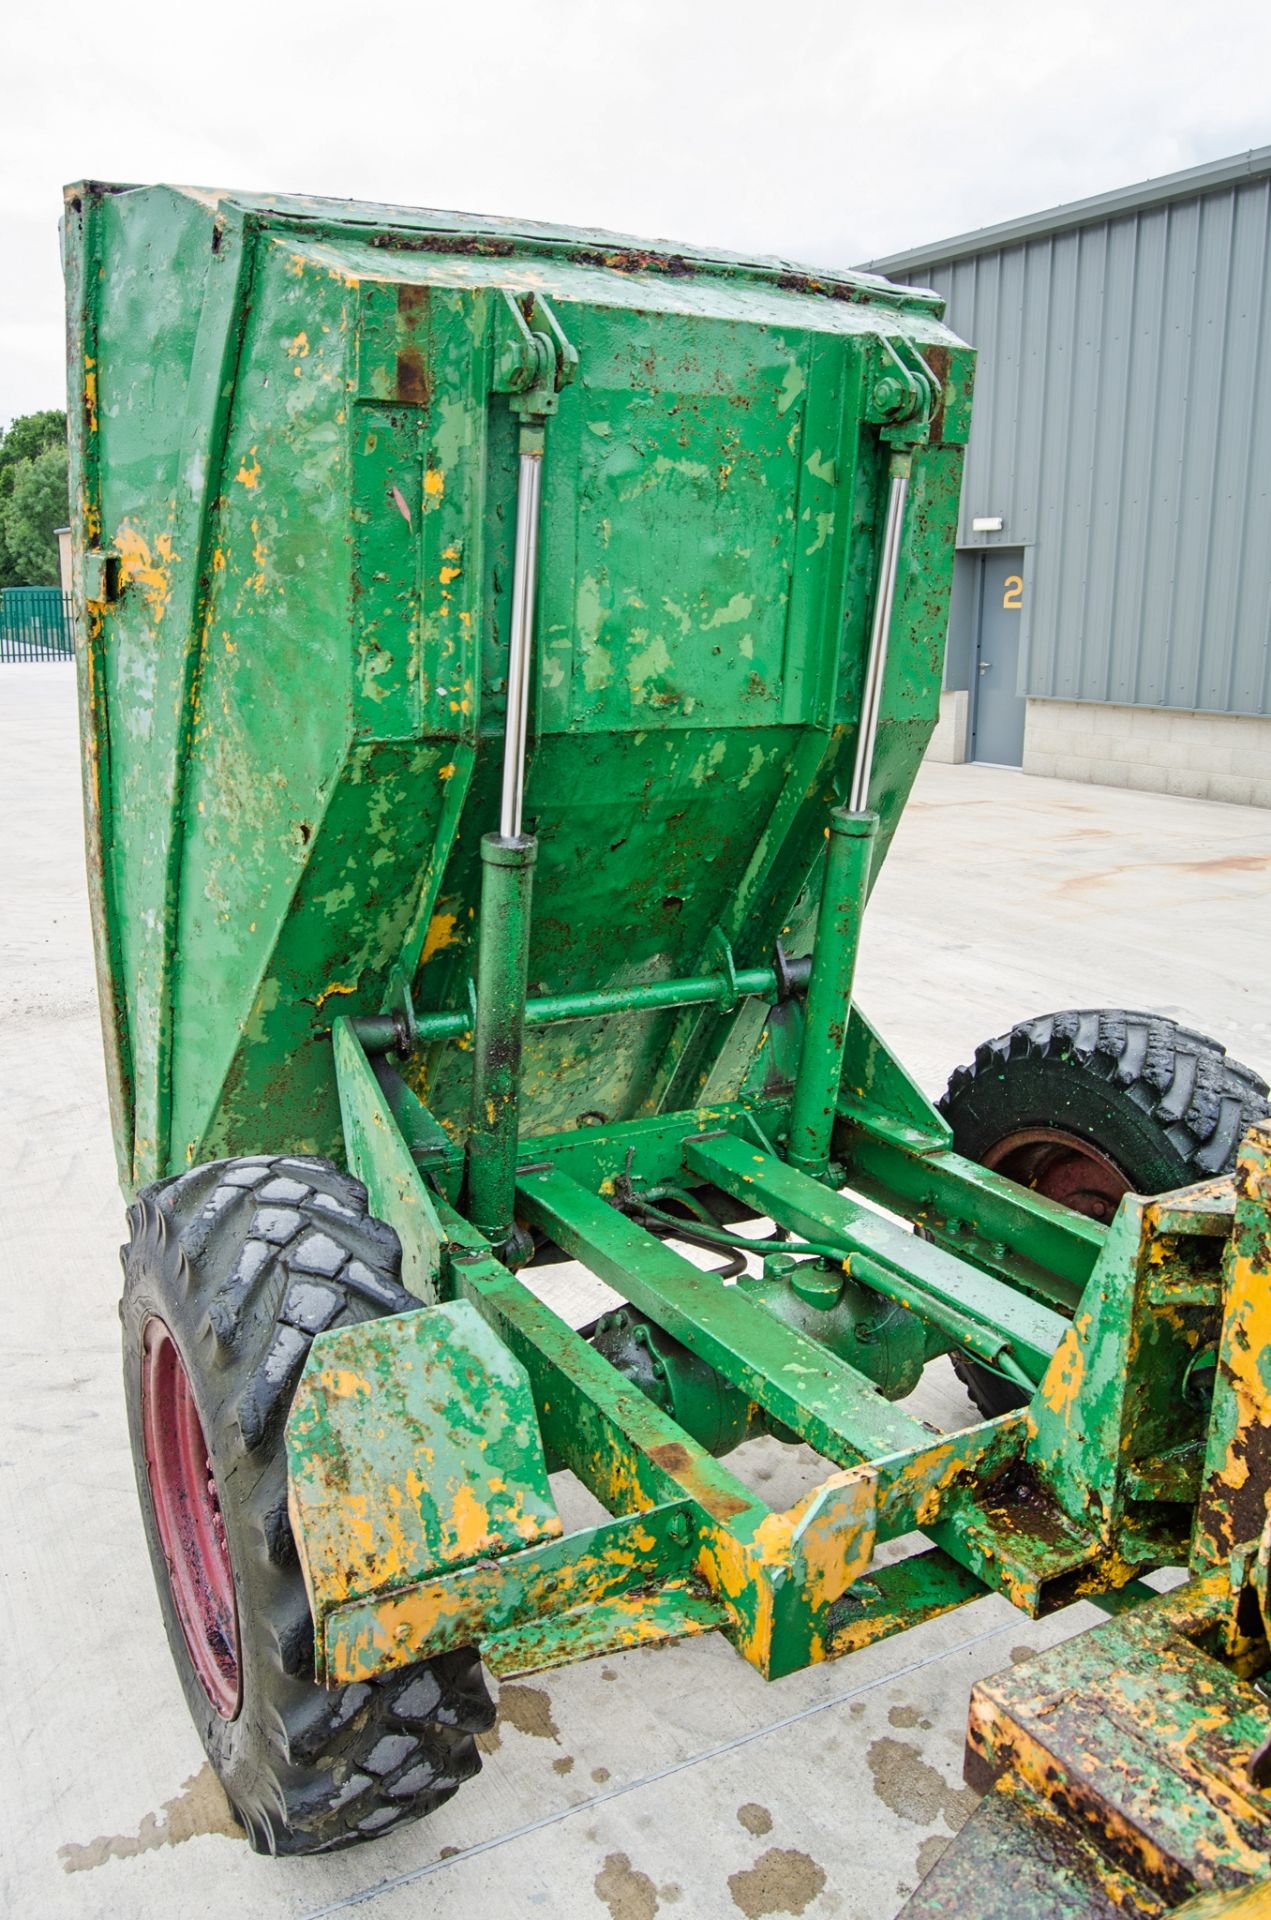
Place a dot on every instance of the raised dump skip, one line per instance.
(295, 471)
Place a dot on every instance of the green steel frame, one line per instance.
(1076, 1494)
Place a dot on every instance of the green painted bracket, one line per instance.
(876, 1089)
(674, 1612)
(514, 1604)
(380, 1157)
(413, 1448)
(1034, 1244)
(805, 1207)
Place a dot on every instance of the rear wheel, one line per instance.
(230, 1272)
(1088, 1105)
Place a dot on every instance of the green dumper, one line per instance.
(504, 656)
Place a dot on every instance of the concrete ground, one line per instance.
(665, 1782)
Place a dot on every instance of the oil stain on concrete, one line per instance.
(913, 1788)
(933, 1848)
(904, 1716)
(528, 1709)
(199, 1808)
(782, 1881)
(628, 1893)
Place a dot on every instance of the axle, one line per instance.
(380, 1033)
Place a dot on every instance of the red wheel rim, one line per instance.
(1062, 1166)
(187, 1509)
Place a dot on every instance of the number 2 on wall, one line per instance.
(1013, 596)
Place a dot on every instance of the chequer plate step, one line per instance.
(1018, 1858)
(1140, 1740)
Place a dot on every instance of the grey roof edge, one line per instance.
(1190, 184)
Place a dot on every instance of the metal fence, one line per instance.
(35, 624)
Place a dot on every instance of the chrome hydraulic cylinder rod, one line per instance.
(876, 660)
(521, 640)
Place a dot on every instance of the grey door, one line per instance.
(997, 718)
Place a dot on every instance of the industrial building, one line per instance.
(1111, 616)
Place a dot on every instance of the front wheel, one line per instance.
(230, 1272)
(1088, 1105)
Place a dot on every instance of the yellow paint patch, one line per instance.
(1066, 1371)
(337, 986)
(138, 567)
(298, 348)
(441, 929)
(342, 1383)
(434, 483)
(248, 476)
(470, 1524)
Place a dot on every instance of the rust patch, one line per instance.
(1221, 863)
(412, 378)
(628, 1893)
(938, 359)
(199, 1808)
(1019, 1502)
(783, 1880)
(1225, 863)
(674, 1458)
(412, 368)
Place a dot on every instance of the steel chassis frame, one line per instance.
(1073, 1495)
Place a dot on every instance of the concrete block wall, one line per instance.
(1206, 756)
(948, 742)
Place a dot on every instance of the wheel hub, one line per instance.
(187, 1510)
(1063, 1167)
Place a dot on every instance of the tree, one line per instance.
(33, 498)
(34, 509)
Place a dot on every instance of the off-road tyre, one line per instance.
(243, 1262)
(1162, 1105)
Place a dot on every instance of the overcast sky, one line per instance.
(827, 132)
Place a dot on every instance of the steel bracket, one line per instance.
(533, 359)
(413, 1449)
(905, 396)
(718, 949)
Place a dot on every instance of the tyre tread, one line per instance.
(250, 1289)
(1174, 1073)
(1198, 1100)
